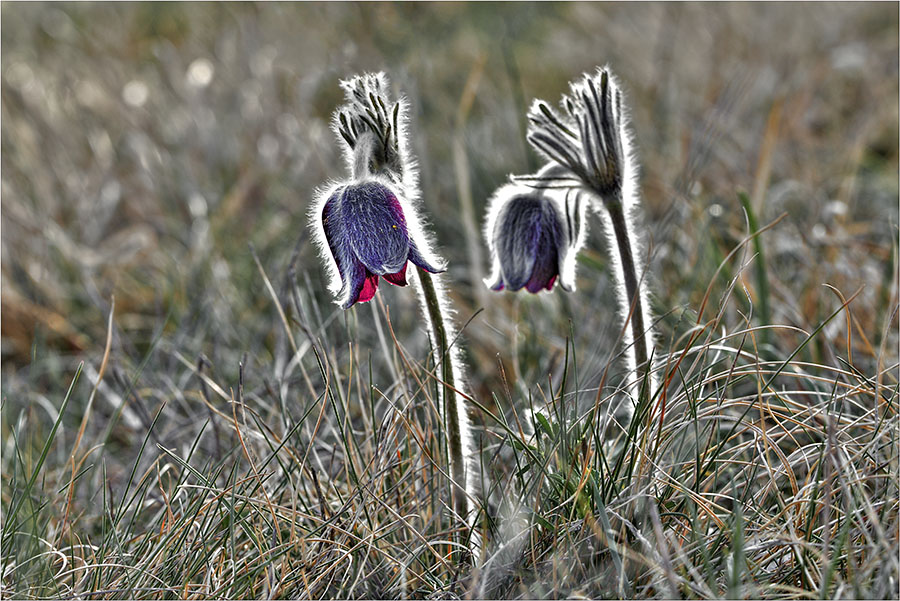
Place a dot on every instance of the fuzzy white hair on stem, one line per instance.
(470, 485)
(589, 135)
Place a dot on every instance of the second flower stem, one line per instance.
(639, 340)
(444, 358)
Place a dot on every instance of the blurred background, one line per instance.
(146, 147)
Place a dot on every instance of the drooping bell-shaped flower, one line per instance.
(367, 225)
(367, 233)
(534, 232)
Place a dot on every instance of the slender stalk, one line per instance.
(634, 301)
(374, 129)
(455, 416)
(590, 138)
(641, 341)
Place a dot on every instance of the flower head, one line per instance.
(366, 231)
(588, 136)
(534, 233)
(367, 225)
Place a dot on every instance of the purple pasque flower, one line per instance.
(534, 231)
(368, 224)
(366, 227)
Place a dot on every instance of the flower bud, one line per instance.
(534, 233)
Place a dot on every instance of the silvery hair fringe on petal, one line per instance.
(320, 197)
(495, 204)
(415, 228)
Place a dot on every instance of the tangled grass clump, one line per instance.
(765, 479)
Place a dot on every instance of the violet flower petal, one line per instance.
(335, 236)
(517, 237)
(375, 227)
(360, 283)
(546, 264)
(419, 261)
(495, 284)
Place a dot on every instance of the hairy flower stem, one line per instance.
(590, 138)
(634, 301)
(374, 128)
(455, 415)
(633, 305)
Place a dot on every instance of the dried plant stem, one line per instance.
(455, 415)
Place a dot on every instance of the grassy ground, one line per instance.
(222, 430)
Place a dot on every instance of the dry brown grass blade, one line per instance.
(670, 372)
(19, 317)
(766, 150)
(87, 413)
(463, 181)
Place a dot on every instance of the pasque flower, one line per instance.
(589, 137)
(367, 226)
(366, 230)
(534, 231)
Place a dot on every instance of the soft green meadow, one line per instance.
(187, 414)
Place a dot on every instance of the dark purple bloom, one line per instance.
(527, 235)
(534, 236)
(365, 229)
